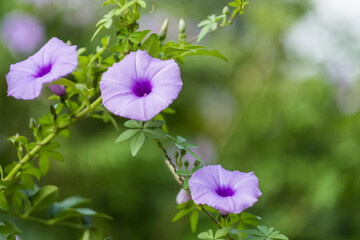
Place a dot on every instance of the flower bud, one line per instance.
(181, 26)
(176, 155)
(163, 29)
(186, 164)
(225, 10)
(196, 163)
(182, 152)
(32, 123)
(58, 89)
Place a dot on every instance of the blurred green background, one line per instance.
(286, 106)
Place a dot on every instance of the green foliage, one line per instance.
(4, 206)
(219, 234)
(264, 233)
(138, 132)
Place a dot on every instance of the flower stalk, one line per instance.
(29, 156)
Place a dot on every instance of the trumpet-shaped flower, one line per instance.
(226, 191)
(53, 61)
(139, 87)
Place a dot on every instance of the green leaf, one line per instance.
(55, 155)
(194, 217)
(206, 235)
(67, 203)
(214, 53)
(43, 198)
(123, 8)
(183, 173)
(32, 171)
(6, 228)
(203, 32)
(17, 202)
(222, 232)
(254, 232)
(127, 134)
(182, 213)
(280, 236)
(4, 206)
(263, 229)
(136, 143)
(234, 4)
(249, 219)
(133, 124)
(97, 31)
(64, 82)
(141, 3)
(168, 110)
(155, 133)
(137, 37)
(28, 181)
(152, 45)
(154, 123)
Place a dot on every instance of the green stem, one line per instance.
(50, 137)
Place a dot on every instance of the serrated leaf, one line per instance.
(133, 124)
(194, 217)
(136, 143)
(4, 206)
(222, 232)
(127, 134)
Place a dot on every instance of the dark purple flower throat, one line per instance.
(141, 88)
(225, 191)
(44, 70)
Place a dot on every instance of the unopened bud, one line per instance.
(196, 163)
(225, 10)
(181, 26)
(163, 29)
(186, 164)
(182, 152)
(32, 123)
(58, 89)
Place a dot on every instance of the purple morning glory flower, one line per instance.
(139, 87)
(21, 32)
(53, 61)
(226, 191)
(182, 197)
